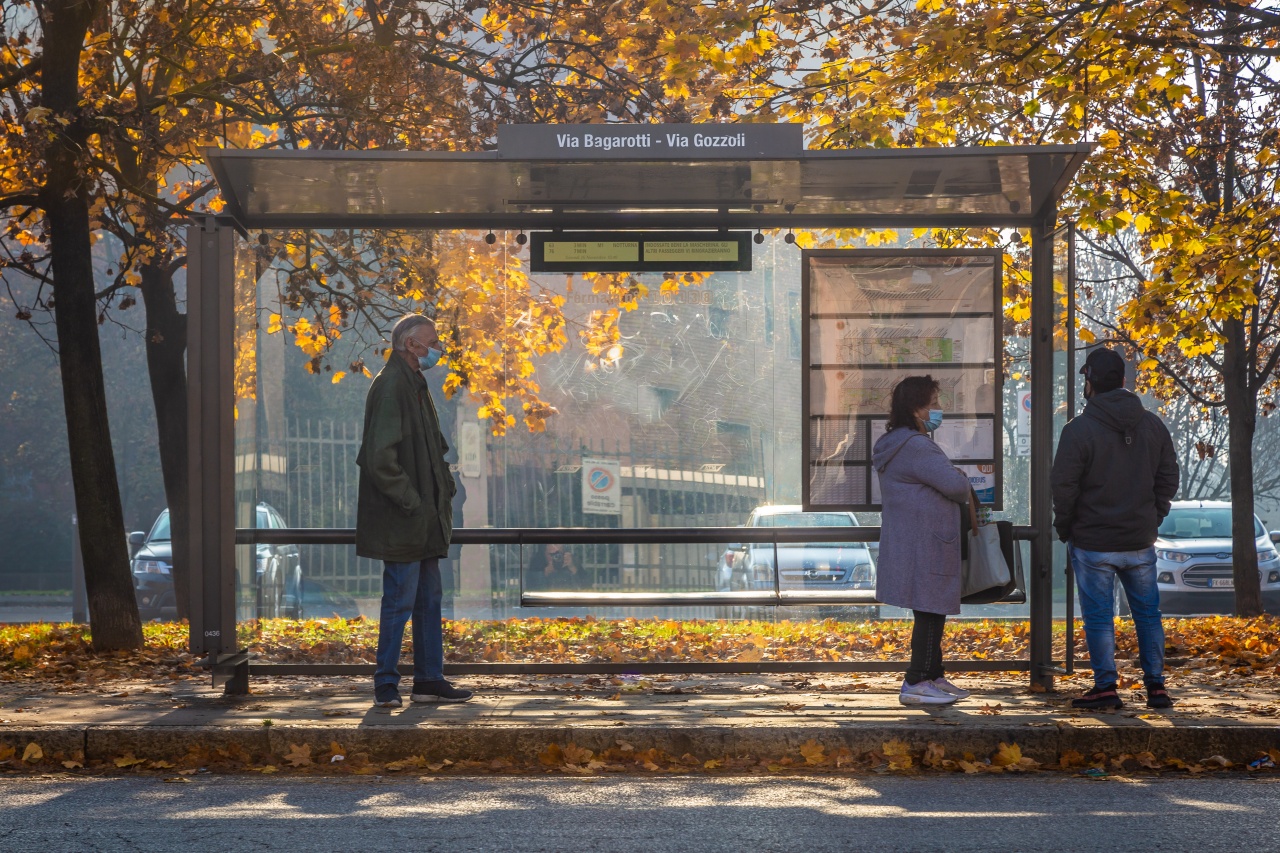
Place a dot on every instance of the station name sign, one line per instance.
(640, 251)
(649, 141)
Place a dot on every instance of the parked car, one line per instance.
(828, 566)
(277, 571)
(1193, 561)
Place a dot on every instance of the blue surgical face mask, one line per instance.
(934, 421)
(430, 360)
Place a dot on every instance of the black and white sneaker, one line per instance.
(387, 698)
(438, 691)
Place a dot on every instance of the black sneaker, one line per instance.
(388, 697)
(1158, 697)
(1099, 698)
(438, 691)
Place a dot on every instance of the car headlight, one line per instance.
(863, 573)
(1273, 577)
(1173, 556)
(1267, 555)
(150, 567)
(1164, 577)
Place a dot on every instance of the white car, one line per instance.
(1193, 561)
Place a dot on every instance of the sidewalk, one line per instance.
(513, 722)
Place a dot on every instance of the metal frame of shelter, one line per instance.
(992, 187)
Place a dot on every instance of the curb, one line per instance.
(1238, 744)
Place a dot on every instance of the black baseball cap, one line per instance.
(1104, 368)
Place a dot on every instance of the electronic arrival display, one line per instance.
(640, 251)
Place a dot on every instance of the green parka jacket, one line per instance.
(405, 510)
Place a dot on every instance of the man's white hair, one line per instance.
(405, 326)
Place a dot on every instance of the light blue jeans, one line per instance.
(410, 589)
(1096, 572)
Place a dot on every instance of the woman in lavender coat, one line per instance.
(919, 563)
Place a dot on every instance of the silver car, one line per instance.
(814, 566)
(1193, 561)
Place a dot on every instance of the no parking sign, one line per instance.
(601, 486)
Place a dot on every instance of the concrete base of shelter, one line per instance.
(702, 717)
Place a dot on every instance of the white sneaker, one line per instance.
(949, 688)
(924, 693)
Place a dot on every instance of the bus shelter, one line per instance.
(635, 180)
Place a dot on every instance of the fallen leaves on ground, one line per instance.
(1225, 647)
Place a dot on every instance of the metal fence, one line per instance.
(534, 480)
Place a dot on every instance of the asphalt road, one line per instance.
(755, 814)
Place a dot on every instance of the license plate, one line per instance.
(1222, 583)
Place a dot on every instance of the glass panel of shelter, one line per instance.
(697, 416)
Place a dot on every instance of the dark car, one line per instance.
(278, 571)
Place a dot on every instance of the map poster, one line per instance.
(872, 317)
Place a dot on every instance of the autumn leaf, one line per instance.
(1071, 758)
(813, 752)
(1006, 755)
(72, 765)
(32, 753)
(414, 761)
(1148, 760)
(7, 752)
(898, 753)
(574, 754)
(129, 760)
(712, 764)
(552, 756)
(933, 754)
(299, 755)
(751, 655)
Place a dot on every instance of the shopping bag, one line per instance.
(986, 567)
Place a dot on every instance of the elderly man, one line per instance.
(405, 514)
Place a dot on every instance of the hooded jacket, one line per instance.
(1114, 475)
(920, 494)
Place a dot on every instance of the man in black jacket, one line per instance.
(1114, 476)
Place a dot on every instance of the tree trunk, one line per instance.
(1242, 417)
(166, 341)
(113, 610)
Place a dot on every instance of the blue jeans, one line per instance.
(410, 588)
(1096, 572)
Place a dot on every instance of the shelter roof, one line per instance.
(995, 186)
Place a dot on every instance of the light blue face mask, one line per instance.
(934, 421)
(430, 360)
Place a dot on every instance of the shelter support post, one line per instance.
(211, 441)
(1040, 577)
